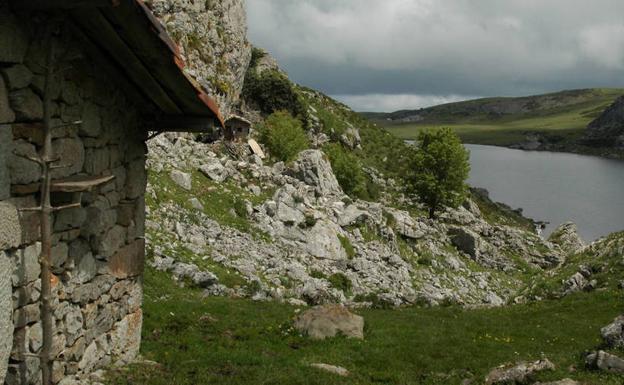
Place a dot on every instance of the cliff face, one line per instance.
(212, 35)
(608, 128)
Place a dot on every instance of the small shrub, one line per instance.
(348, 247)
(341, 282)
(272, 91)
(240, 208)
(317, 274)
(348, 170)
(283, 135)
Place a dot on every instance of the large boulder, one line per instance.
(604, 361)
(613, 334)
(214, 170)
(313, 168)
(568, 238)
(6, 313)
(521, 373)
(322, 241)
(327, 321)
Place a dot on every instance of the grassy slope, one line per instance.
(229, 341)
(554, 114)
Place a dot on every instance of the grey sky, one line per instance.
(392, 54)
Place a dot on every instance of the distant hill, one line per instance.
(608, 128)
(554, 121)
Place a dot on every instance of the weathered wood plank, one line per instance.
(61, 4)
(99, 29)
(79, 184)
(156, 50)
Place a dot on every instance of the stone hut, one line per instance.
(118, 79)
(237, 128)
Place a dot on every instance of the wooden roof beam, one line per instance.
(43, 5)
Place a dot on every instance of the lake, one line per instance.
(554, 187)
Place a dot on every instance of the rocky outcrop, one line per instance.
(605, 361)
(212, 36)
(313, 168)
(613, 334)
(323, 322)
(521, 373)
(608, 128)
(568, 238)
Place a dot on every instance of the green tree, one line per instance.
(438, 170)
(283, 135)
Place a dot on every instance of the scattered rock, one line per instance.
(182, 179)
(568, 238)
(566, 381)
(214, 170)
(327, 321)
(613, 334)
(196, 204)
(605, 361)
(521, 373)
(337, 370)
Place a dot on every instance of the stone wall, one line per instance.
(98, 249)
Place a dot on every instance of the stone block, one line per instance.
(72, 154)
(26, 315)
(129, 261)
(14, 39)
(22, 169)
(91, 121)
(10, 228)
(59, 256)
(6, 313)
(26, 268)
(6, 147)
(69, 219)
(29, 221)
(107, 244)
(27, 294)
(6, 113)
(30, 132)
(26, 104)
(17, 76)
(126, 338)
(125, 213)
(96, 161)
(136, 179)
(86, 269)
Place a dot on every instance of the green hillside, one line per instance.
(561, 117)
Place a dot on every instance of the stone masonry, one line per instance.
(98, 249)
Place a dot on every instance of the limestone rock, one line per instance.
(26, 104)
(322, 241)
(196, 204)
(6, 313)
(566, 381)
(337, 370)
(605, 361)
(206, 30)
(214, 170)
(568, 238)
(182, 179)
(314, 169)
(613, 334)
(521, 373)
(328, 321)
(6, 113)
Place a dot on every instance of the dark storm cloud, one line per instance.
(439, 50)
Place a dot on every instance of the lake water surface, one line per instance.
(554, 187)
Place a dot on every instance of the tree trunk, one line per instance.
(432, 212)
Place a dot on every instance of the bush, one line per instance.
(348, 170)
(283, 135)
(347, 246)
(272, 91)
(341, 282)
